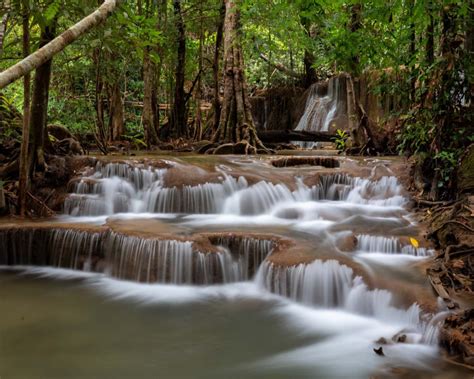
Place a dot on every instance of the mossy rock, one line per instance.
(465, 174)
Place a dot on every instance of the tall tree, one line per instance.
(3, 22)
(178, 115)
(215, 65)
(236, 123)
(25, 140)
(39, 103)
(149, 82)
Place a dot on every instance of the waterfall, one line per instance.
(389, 245)
(329, 284)
(326, 108)
(134, 258)
(324, 102)
(73, 249)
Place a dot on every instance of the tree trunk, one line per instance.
(101, 132)
(236, 123)
(412, 50)
(57, 45)
(308, 59)
(116, 118)
(39, 105)
(24, 159)
(3, 23)
(178, 115)
(215, 66)
(149, 111)
(430, 35)
(355, 25)
(151, 137)
(198, 122)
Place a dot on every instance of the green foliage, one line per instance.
(341, 139)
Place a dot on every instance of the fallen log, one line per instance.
(275, 136)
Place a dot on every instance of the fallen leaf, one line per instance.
(414, 242)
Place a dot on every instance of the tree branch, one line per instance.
(280, 67)
(58, 44)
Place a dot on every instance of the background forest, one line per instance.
(153, 71)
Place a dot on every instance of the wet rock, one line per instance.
(379, 351)
(347, 244)
(59, 132)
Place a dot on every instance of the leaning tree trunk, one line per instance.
(45, 53)
(39, 106)
(236, 123)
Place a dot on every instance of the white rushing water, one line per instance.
(117, 188)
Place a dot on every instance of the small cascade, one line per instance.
(116, 188)
(165, 261)
(203, 198)
(329, 284)
(324, 284)
(134, 258)
(389, 245)
(119, 187)
(73, 249)
(247, 254)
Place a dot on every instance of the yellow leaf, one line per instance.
(414, 242)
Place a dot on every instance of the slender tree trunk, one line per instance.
(215, 66)
(150, 113)
(355, 25)
(101, 132)
(412, 50)
(198, 123)
(430, 34)
(178, 116)
(236, 123)
(308, 59)
(116, 113)
(57, 45)
(3, 23)
(39, 105)
(24, 159)
(151, 137)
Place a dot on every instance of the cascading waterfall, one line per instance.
(73, 249)
(326, 102)
(323, 103)
(329, 284)
(116, 188)
(134, 258)
(389, 245)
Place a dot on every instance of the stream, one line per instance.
(211, 267)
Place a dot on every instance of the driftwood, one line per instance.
(275, 136)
